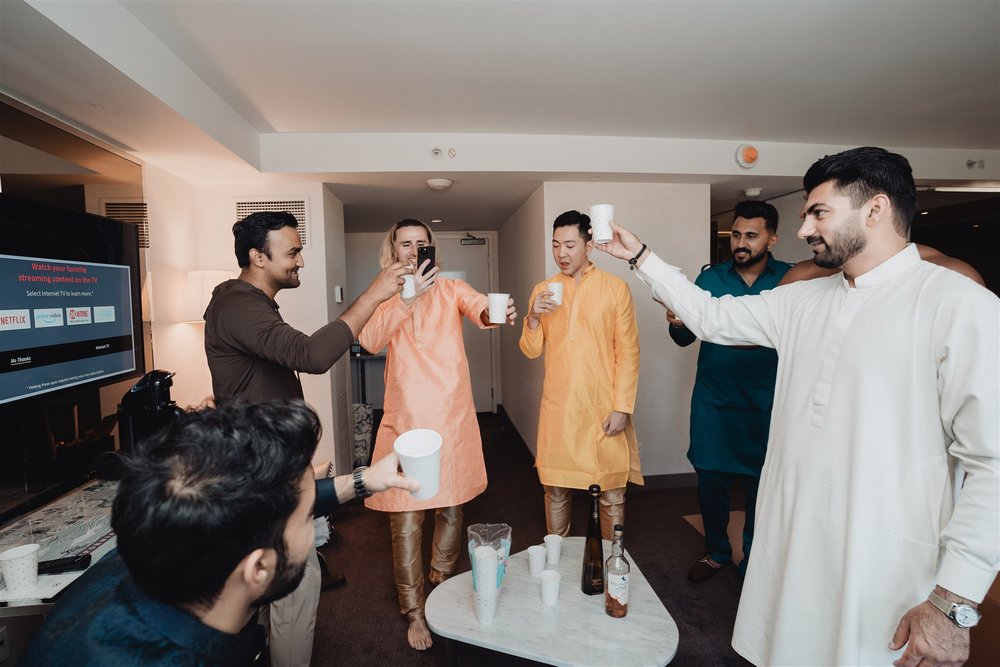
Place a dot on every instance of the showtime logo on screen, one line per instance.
(78, 316)
(14, 319)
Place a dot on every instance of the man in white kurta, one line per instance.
(887, 380)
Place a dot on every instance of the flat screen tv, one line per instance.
(69, 301)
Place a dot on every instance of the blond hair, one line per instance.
(387, 253)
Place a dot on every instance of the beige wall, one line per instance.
(673, 219)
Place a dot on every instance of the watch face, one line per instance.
(966, 616)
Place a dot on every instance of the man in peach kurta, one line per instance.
(427, 385)
(591, 346)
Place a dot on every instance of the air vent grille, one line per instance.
(130, 211)
(296, 207)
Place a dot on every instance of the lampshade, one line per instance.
(198, 292)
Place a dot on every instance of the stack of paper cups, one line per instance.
(485, 583)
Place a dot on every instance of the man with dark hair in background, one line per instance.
(886, 382)
(213, 519)
(253, 354)
(733, 390)
(591, 346)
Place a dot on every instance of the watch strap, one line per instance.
(359, 482)
(947, 607)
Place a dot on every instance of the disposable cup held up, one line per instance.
(536, 560)
(557, 293)
(409, 287)
(19, 567)
(553, 548)
(601, 216)
(498, 307)
(419, 453)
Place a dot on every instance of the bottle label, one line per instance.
(618, 587)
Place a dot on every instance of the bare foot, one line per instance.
(419, 635)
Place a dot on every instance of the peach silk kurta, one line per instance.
(427, 386)
(591, 345)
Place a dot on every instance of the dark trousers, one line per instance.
(713, 496)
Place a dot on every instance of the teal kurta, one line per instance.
(734, 387)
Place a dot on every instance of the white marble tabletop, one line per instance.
(576, 631)
(78, 522)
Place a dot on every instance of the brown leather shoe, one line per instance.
(704, 569)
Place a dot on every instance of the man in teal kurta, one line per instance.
(733, 391)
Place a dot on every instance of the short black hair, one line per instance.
(753, 208)
(581, 220)
(862, 173)
(251, 232)
(206, 490)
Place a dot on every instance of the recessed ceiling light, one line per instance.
(924, 212)
(436, 221)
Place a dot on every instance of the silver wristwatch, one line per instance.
(961, 615)
(359, 482)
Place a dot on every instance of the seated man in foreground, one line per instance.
(214, 519)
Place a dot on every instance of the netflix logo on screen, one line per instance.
(78, 316)
(14, 319)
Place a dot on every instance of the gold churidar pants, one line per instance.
(407, 534)
(559, 509)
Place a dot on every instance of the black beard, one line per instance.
(750, 260)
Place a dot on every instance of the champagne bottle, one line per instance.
(617, 567)
(592, 581)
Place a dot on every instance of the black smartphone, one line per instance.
(425, 252)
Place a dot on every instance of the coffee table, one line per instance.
(576, 631)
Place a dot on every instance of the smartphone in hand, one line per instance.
(426, 252)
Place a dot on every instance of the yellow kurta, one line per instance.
(427, 386)
(591, 345)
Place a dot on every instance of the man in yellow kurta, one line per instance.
(427, 385)
(591, 345)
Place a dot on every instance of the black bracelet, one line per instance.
(631, 262)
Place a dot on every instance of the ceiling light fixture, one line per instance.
(436, 221)
(752, 192)
(439, 184)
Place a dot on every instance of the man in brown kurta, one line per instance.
(254, 354)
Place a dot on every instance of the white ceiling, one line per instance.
(218, 91)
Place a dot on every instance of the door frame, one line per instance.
(492, 244)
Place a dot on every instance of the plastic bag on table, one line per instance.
(495, 535)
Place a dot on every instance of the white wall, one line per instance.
(191, 228)
(524, 245)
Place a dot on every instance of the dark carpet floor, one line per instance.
(360, 624)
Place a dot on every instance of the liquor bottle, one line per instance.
(592, 581)
(616, 569)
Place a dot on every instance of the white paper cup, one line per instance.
(19, 567)
(557, 292)
(484, 568)
(486, 609)
(420, 456)
(498, 307)
(601, 216)
(553, 547)
(409, 287)
(550, 586)
(536, 560)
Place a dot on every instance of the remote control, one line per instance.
(67, 564)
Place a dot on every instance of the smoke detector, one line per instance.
(439, 184)
(752, 192)
(746, 156)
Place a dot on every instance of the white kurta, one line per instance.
(882, 389)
